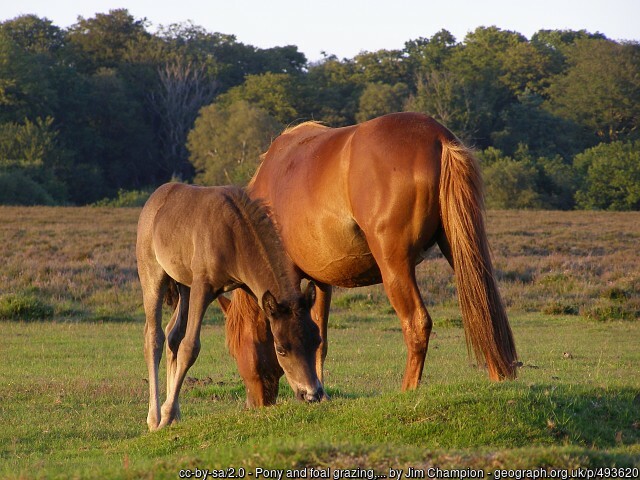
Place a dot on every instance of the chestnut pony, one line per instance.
(361, 205)
(206, 241)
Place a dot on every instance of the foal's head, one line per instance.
(280, 337)
(296, 339)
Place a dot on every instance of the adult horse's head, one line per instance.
(279, 338)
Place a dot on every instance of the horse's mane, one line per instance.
(243, 308)
(314, 128)
(255, 216)
(310, 123)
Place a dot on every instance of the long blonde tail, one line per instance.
(485, 320)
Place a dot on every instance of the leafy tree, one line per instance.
(478, 67)
(523, 181)
(555, 44)
(276, 93)
(16, 188)
(26, 89)
(601, 88)
(121, 139)
(227, 140)
(448, 98)
(382, 66)
(34, 34)
(285, 59)
(526, 122)
(106, 40)
(332, 90)
(424, 55)
(525, 69)
(511, 184)
(29, 153)
(611, 176)
(226, 59)
(381, 98)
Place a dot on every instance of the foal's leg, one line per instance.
(175, 332)
(199, 299)
(154, 284)
(320, 315)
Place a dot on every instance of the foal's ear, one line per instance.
(310, 295)
(225, 303)
(270, 304)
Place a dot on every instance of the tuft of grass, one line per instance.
(561, 307)
(24, 307)
(607, 312)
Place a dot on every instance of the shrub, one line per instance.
(24, 307)
(125, 198)
(611, 175)
(18, 189)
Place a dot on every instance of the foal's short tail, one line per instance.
(172, 296)
(485, 321)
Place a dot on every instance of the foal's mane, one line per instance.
(255, 217)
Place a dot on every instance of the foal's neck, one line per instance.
(263, 265)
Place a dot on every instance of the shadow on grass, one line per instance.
(588, 417)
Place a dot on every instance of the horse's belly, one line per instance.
(335, 253)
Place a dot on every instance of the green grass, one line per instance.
(73, 391)
(75, 399)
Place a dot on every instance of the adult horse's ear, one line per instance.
(310, 295)
(225, 303)
(269, 304)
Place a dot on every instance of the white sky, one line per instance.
(347, 27)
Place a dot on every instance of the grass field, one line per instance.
(73, 391)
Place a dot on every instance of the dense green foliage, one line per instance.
(108, 105)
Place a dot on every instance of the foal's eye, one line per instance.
(280, 351)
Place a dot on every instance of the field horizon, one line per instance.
(74, 392)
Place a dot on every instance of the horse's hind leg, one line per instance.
(175, 332)
(154, 283)
(402, 290)
(399, 280)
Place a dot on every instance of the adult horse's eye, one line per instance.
(280, 351)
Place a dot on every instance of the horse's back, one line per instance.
(334, 190)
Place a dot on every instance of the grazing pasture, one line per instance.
(73, 388)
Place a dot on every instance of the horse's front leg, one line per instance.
(199, 299)
(320, 315)
(153, 343)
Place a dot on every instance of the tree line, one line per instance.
(108, 106)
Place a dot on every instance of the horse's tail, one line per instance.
(486, 326)
(172, 296)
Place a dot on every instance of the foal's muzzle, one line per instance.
(310, 397)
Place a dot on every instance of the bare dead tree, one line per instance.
(185, 88)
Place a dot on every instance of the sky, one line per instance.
(347, 27)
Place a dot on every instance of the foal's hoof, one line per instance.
(153, 423)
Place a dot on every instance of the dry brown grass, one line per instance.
(81, 261)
